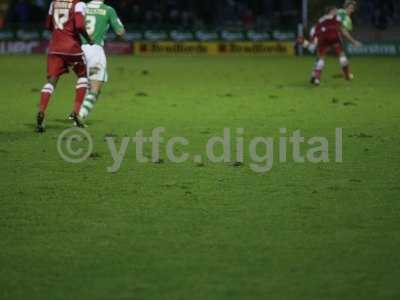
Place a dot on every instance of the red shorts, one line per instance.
(58, 65)
(325, 45)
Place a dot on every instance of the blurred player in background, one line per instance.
(66, 21)
(99, 18)
(328, 34)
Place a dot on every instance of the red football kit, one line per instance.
(328, 33)
(66, 21)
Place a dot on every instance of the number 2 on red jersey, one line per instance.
(61, 13)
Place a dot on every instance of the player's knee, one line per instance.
(83, 80)
(96, 91)
(344, 62)
(82, 83)
(52, 80)
(320, 64)
(48, 88)
(95, 87)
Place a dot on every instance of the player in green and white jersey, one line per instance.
(99, 18)
(345, 14)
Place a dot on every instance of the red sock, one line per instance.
(45, 95)
(344, 62)
(317, 74)
(81, 89)
(318, 68)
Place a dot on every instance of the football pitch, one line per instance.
(191, 230)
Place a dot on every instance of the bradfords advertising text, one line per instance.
(214, 48)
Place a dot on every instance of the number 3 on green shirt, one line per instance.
(90, 24)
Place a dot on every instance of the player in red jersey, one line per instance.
(327, 35)
(66, 21)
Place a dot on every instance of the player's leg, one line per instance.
(80, 91)
(82, 84)
(322, 49)
(318, 68)
(91, 98)
(81, 88)
(344, 62)
(97, 69)
(55, 68)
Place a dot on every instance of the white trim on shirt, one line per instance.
(80, 7)
(51, 8)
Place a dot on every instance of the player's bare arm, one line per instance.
(120, 33)
(350, 38)
(119, 29)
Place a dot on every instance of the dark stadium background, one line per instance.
(375, 19)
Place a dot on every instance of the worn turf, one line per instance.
(203, 230)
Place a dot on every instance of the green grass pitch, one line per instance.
(202, 231)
